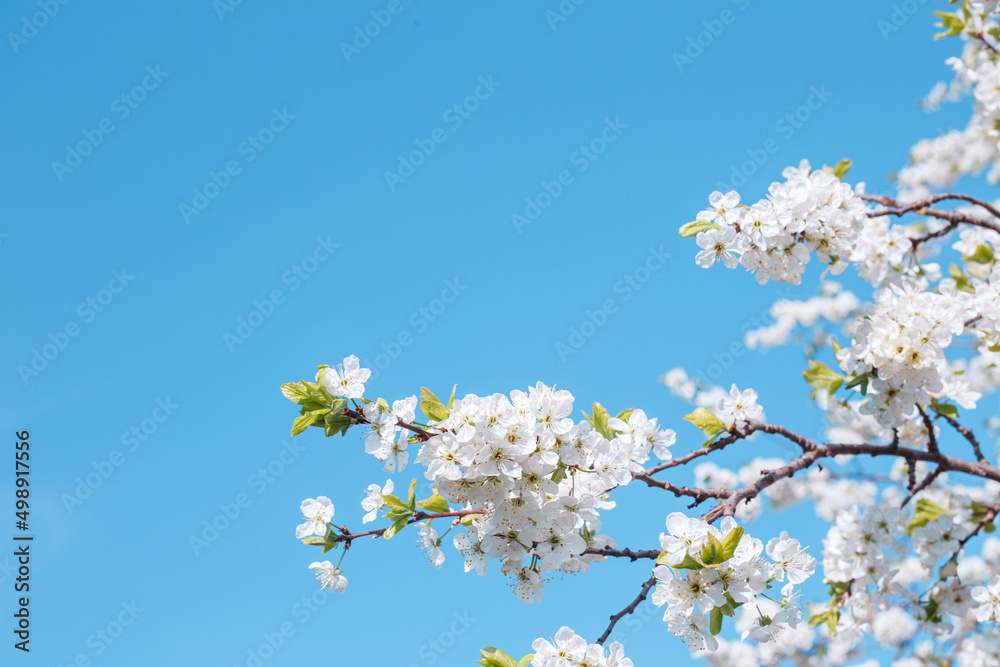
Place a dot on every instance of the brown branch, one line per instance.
(954, 218)
(915, 243)
(991, 514)
(358, 417)
(944, 463)
(898, 209)
(627, 610)
(811, 454)
(917, 488)
(932, 445)
(624, 553)
(967, 434)
(749, 429)
(702, 451)
(728, 507)
(348, 537)
(699, 495)
(982, 38)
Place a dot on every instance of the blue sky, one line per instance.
(171, 170)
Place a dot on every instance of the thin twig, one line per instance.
(627, 610)
(927, 481)
(932, 445)
(347, 537)
(967, 434)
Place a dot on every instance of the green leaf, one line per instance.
(625, 414)
(945, 409)
(989, 527)
(822, 376)
(817, 619)
(296, 391)
(840, 169)
(952, 24)
(706, 421)
(599, 420)
(305, 421)
(715, 624)
(696, 227)
(838, 588)
(411, 498)
(526, 660)
(336, 423)
(729, 609)
(688, 563)
(395, 528)
(926, 512)
(983, 255)
(832, 620)
(432, 406)
(712, 439)
(560, 472)
(931, 609)
(711, 552)
(494, 657)
(730, 542)
(979, 511)
(859, 380)
(451, 399)
(962, 282)
(436, 504)
(394, 502)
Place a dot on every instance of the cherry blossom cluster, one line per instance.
(833, 304)
(900, 346)
(568, 649)
(985, 304)
(528, 478)
(723, 568)
(941, 161)
(880, 592)
(535, 478)
(317, 513)
(813, 211)
(863, 556)
(884, 253)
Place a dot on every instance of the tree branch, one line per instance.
(897, 209)
(627, 610)
(624, 553)
(347, 537)
(967, 434)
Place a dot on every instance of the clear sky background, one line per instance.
(140, 104)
